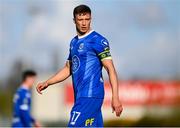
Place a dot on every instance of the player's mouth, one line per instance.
(83, 28)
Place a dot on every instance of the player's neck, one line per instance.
(85, 34)
(25, 86)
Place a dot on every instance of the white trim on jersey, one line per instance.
(80, 37)
(24, 87)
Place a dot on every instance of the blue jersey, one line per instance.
(22, 108)
(86, 54)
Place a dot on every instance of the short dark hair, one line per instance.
(81, 9)
(28, 73)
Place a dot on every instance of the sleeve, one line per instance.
(25, 111)
(69, 57)
(102, 49)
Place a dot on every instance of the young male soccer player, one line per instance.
(89, 52)
(22, 102)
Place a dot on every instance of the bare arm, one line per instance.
(63, 74)
(116, 104)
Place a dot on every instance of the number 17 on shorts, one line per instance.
(74, 118)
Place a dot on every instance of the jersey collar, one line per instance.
(24, 87)
(80, 37)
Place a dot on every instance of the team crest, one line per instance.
(81, 47)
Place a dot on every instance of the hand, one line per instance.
(116, 106)
(41, 86)
(37, 125)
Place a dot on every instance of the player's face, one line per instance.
(31, 80)
(82, 21)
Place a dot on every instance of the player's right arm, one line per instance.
(60, 76)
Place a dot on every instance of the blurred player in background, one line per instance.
(22, 102)
(89, 52)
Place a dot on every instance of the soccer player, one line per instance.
(89, 52)
(22, 102)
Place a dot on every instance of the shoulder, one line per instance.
(19, 95)
(23, 93)
(98, 38)
(20, 91)
(73, 40)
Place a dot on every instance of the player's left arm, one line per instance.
(116, 104)
(102, 49)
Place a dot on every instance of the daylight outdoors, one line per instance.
(144, 37)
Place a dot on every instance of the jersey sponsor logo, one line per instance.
(75, 63)
(24, 107)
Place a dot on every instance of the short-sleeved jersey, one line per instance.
(22, 108)
(86, 54)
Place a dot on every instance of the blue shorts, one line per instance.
(16, 125)
(86, 112)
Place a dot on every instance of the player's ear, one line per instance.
(74, 20)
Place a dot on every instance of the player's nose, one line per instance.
(84, 23)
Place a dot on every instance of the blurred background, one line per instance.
(144, 37)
